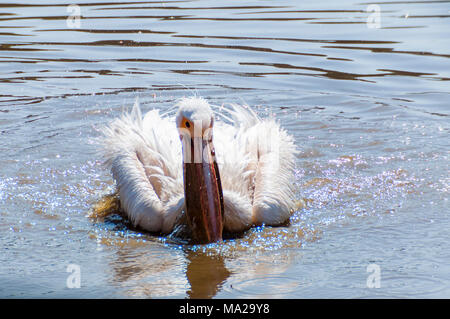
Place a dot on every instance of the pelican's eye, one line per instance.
(188, 125)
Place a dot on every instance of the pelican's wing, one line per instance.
(265, 163)
(235, 176)
(273, 151)
(144, 155)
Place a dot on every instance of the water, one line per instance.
(366, 100)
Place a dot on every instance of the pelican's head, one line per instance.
(202, 186)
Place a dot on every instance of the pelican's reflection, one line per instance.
(156, 271)
(149, 271)
(151, 268)
(205, 274)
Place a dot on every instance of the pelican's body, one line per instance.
(252, 169)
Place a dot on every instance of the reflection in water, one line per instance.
(197, 271)
(206, 274)
(141, 273)
(145, 270)
(146, 266)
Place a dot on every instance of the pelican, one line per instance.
(169, 171)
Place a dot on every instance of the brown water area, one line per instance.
(363, 88)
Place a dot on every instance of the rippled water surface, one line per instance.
(366, 97)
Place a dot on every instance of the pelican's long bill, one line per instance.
(202, 186)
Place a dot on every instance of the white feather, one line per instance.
(255, 158)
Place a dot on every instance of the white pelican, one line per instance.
(167, 170)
